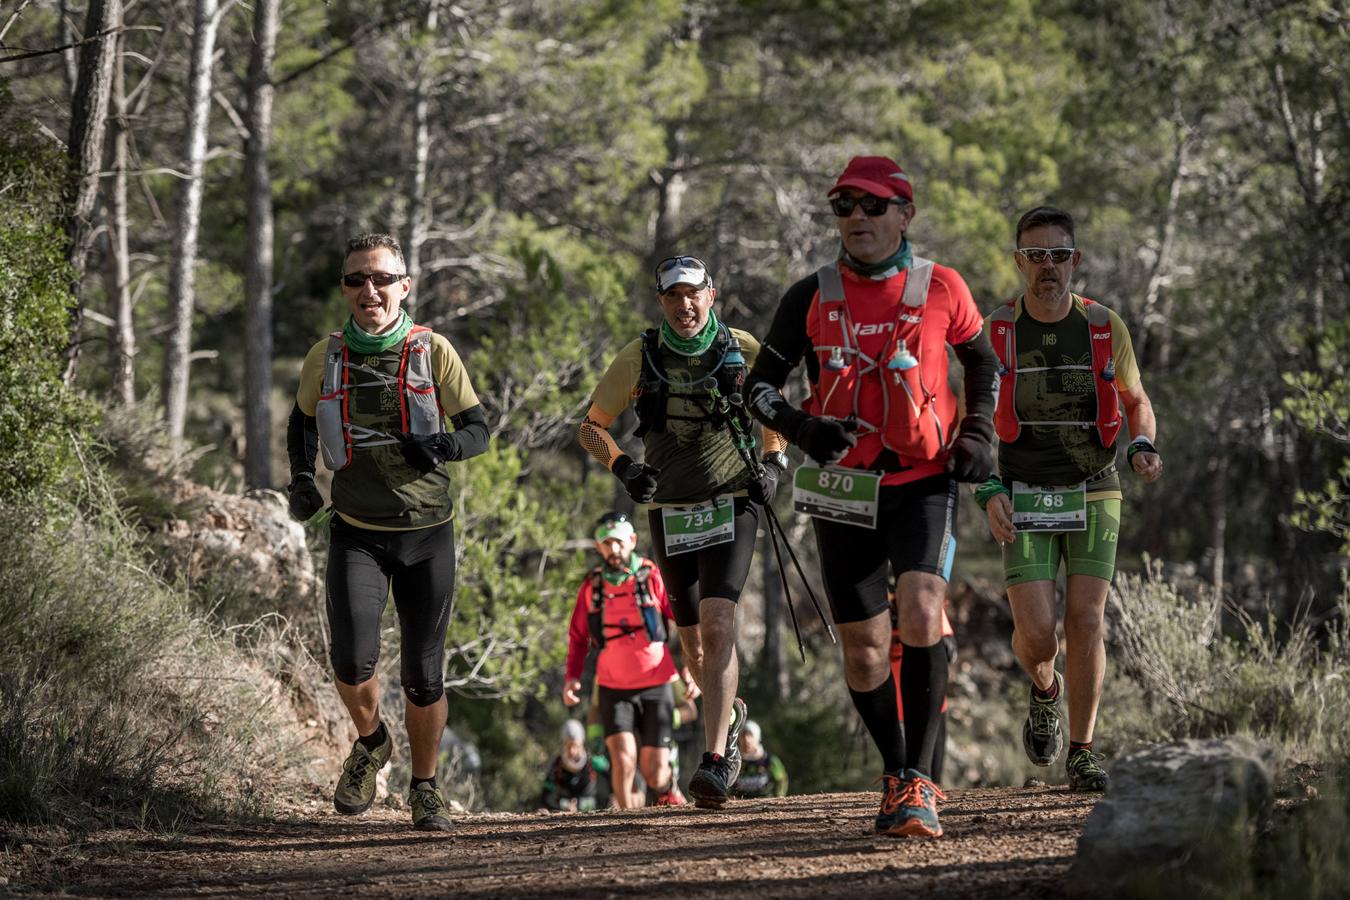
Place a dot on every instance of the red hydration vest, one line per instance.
(1002, 333)
(419, 409)
(918, 418)
(649, 607)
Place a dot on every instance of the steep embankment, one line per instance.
(999, 842)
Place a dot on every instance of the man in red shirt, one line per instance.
(622, 609)
(873, 328)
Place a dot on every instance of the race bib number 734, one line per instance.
(698, 525)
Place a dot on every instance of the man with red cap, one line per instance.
(872, 328)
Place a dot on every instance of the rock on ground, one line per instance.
(1177, 820)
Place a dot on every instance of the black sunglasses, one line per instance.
(379, 279)
(613, 518)
(844, 205)
(1037, 255)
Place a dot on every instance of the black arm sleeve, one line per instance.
(471, 433)
(302, 442)
(781, 350)
(981, 381)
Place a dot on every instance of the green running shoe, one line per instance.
(356, 788)
(1084, 772)
(428, 808)
(1041, 735)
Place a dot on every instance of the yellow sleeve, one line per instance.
(452, 379)
(311, 378)
(749, 346)
(1122, 351)
(616, 387)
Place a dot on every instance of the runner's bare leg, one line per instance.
(721, 670)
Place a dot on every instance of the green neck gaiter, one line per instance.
(362, 341)
(690, 346)
(619, 576)
(898, 261)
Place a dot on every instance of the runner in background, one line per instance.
(762, 773)
(571, 782)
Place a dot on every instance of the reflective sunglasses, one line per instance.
(677, 262)
(1038, 255)
(379, 279)
(843, 205)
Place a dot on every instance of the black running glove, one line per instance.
(639, 479)
(762, 489)
(303, 497)
(827, 440)
(425, 452)
(972, 456)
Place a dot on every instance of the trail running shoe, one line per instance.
(1084, 772)
(888, 818)
(1041, 734)
(711, 782)
(739, 716)
(909, 805)
(671, 797)
(428, 808)
(355, 789)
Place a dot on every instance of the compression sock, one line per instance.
(923, 684)
(375, 738)
(882, 718)
(416, 781)
(1050, 695)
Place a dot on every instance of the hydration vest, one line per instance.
(647, 604)
(419, 409)
(1002, 333)
(918, 418)
(727, 377)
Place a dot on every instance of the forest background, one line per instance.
(179, 177)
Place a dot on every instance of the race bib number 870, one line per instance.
(838, 495)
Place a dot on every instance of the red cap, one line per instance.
(880, 176)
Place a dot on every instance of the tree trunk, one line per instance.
(419, 206)
(1154, 320)
(65, 36)
(88, 125)
(182, 280)
(119, 261)
(258, 255)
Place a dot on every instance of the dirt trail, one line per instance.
(999, 842)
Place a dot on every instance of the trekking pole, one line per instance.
(737, 420)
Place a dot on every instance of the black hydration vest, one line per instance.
(648, 605)
(726, 379)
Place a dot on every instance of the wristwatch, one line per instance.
(778, 459)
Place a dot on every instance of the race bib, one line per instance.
(700, 525)
(837, 495)
(1049, 508)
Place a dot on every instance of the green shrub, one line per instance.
(1286, 682)
(37, 414)
(119, 704)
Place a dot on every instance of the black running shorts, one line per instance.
(362, 566)
(716, 571)
(646, 713)
(916, 532)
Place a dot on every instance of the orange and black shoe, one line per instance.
(909, 805)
